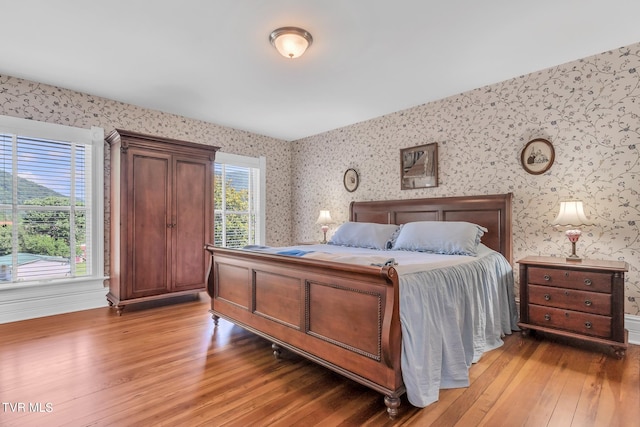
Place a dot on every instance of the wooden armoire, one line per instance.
(161, 217)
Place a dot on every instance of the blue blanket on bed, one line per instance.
(289, 252)
(294, 252)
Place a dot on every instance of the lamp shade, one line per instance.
(324, 218)
(571, 214)
(290, 42)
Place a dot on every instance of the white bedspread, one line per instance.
(453, 308)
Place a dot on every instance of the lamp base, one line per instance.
(573, 236)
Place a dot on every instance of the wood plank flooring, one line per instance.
(169, 366)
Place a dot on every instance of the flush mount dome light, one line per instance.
(291, 42)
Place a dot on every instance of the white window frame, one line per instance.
(29, 299)
(259, 163)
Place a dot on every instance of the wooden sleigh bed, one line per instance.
(342, 316)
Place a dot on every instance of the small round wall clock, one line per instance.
(537, 156)
(351, 180)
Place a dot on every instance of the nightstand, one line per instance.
(583, 300)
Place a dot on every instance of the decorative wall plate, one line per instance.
(537, 156)
(351, 180)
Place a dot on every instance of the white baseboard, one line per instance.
(51, 299)
(632, 324)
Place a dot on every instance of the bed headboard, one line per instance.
(492, 212)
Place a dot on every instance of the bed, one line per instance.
(347, 317)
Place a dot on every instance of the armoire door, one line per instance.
(190, 217)
(149, 228)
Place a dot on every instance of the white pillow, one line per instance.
(440, 237)
(365, 235)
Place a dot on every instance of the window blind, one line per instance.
(45, 208)
(238, 209)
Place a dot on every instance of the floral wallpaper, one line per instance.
(589, 110)
(26, 99)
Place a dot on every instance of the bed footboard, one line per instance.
(341, 316)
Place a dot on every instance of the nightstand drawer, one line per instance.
(589, 302)
(574, 279)
(574, 321)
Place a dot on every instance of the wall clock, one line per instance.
(351, 180)
(537, 156)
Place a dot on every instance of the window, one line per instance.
(239, 200)
(51, 208)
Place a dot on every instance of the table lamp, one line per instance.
(324, 219)
(572, 215)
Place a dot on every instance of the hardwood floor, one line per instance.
(168, 365)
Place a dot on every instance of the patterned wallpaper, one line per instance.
(26, 99)
(589, 109)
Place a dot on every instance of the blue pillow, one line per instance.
(440, 237)
(364, 235)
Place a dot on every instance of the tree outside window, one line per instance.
(235, 204)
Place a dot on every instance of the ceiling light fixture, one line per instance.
(291, 42)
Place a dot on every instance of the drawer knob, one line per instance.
(588, 303)
(547, 297)
(547, 317)
(587, 282)
(547, 277)
(587, 325)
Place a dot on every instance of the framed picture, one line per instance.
(351, 180)
(537, 156)
(419, 166)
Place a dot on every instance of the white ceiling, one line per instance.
(211, 59)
